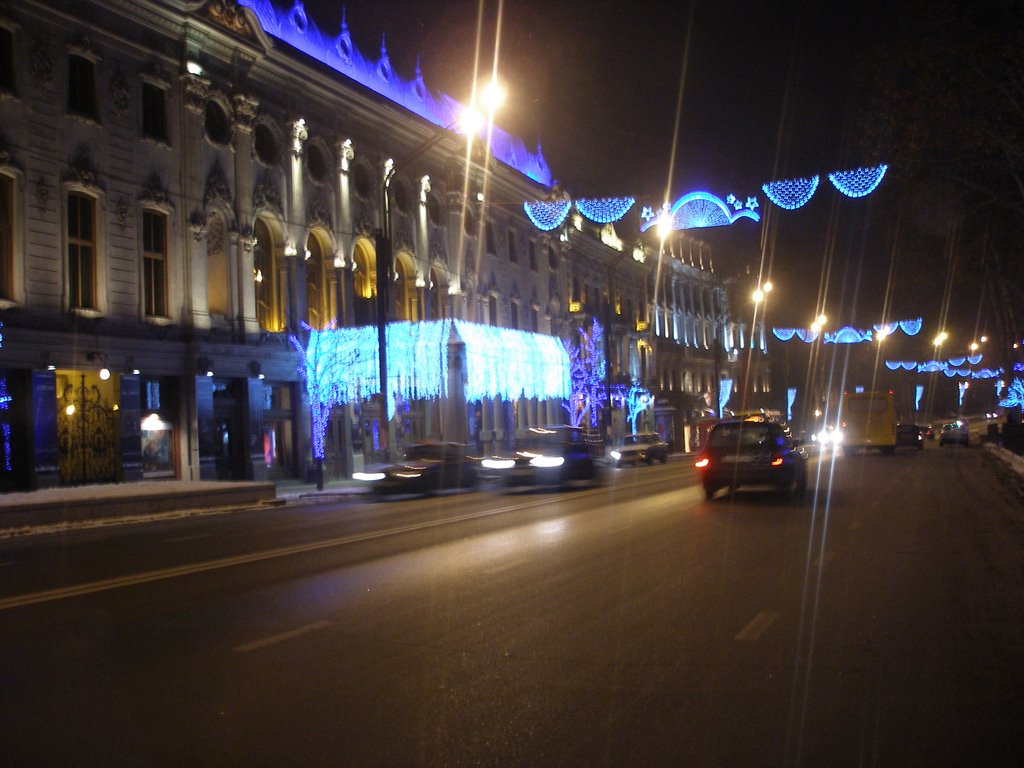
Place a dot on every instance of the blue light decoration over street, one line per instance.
(791, 193)
(848, 334)
(605, 210)
(294, 27)
(547, 214)
(860, 182)
(702, 209)
(340, 366)
(1014, 395)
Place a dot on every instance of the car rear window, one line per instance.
(746, 434)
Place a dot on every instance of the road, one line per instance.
(634, 624)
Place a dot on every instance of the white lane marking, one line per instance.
(280, 638)
(187, 538)
(757, 626)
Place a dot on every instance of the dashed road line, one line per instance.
(757, 626)
(283, 636)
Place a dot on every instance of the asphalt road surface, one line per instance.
(877, 623)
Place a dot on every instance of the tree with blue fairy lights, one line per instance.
(586, 376)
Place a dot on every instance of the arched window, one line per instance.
(407, 302)
(216, 267)
(364, 284)
(321, 285)
(267, 276)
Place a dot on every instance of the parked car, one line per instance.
(547, 456)
(647, 447)
(928, 431)
(743, 453)
(426, 467)
(954, 433)
(909, 436)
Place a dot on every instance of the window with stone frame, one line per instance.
(154, 264)
(81, 240)
(6, 60)
(154, 112)
(82, 87)
(6, 237)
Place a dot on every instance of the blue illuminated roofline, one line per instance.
(294, 27)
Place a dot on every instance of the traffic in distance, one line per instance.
(751, 448)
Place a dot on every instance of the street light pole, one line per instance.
(384, 241)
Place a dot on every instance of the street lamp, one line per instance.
(469, 122)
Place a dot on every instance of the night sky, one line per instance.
(769, 91)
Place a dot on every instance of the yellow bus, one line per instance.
(868, 420)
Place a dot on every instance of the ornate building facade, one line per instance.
(187, 189)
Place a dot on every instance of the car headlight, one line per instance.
(616, 455)
(824, 437)
(498, 463)
(368, 476)
(546, 462)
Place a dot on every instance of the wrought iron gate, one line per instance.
(86, 435)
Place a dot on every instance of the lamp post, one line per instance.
(469, 121)
(759, 297)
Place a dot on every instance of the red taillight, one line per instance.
(702, 462)
(777, 461)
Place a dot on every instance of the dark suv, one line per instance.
(752, 453)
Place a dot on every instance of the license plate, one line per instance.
(734, 459)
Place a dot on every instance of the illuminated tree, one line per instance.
(586, 376)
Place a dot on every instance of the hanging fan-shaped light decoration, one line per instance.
(784, 334)
(547, 214)
(860, 182)
(885, 329)
(806, 335)
(893, 365)
(791, 193)
(911, 327)
(605, 210)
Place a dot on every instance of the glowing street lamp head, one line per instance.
(758, 296)
(493, 95)
(941, 337)
(663, 226)
(470, 121)
(767, 287)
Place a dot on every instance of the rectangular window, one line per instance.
(513, 257)
(492, 306)
(6, 60)
(534, 320)
(6, 237)
(515, 315)
(81, 251)
(154, 112)
(81, 87)
(489, 237)
(154, 264)
(533, 256)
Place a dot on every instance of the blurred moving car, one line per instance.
(954, 433)
(909, 436)
(547, 456)
(426, 467)
(647, 447)
(928, 431)
(740, 453)
(829, 437)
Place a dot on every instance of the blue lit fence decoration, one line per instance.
(293, 26)
(860, 182)
(547, 214)
(5, 426)
(790, 399)
(791, 193)
(341, 365)
(703, 209)
(605, 210)
(919, 393)
(961, 389)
